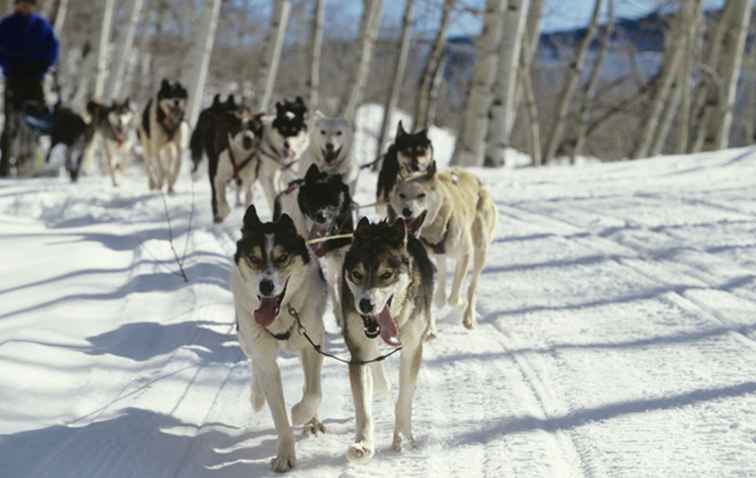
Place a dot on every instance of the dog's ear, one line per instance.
(285, 221)
(216, 100)
(301, 106)
(400, 227)
(127, 103)
(251, 220)
(431, 171)
(362, 231)
(313, 172)
(91, 107)
(256, 125)
(165, 84)
(400, 130)
(280, 108)
(423, 133)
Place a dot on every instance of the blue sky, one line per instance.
(558, 14)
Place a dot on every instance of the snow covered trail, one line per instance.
(617, 336)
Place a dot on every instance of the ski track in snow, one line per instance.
(616, 336)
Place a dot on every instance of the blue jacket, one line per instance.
(28, 46)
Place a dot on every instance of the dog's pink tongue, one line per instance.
(388, 327)
(266, 313)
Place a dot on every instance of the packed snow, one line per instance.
(616, 334)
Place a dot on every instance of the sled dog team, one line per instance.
(378, 276)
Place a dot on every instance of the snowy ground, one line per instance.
(617, 336)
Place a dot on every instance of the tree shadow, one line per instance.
(492, 429)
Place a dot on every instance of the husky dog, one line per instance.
(234, 156)
(274, 277)
(164, 134)
(454, 216)
(409, 155)
(331, 148)
(285, 139)
(203, 136)
(321, 206)
(386, 291)
(111, 125)
(70, 129)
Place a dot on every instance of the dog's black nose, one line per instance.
(320, 217)
(366, 306)
(329, 146)
(406, 212)
(266, 287)
(286, 144)
(247, 142)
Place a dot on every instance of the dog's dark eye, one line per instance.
(421, 196)
(402, 196)
(322, 131)
(357, 275)
(338, 133)
(387, 275)
(255, 261)
(282, 259)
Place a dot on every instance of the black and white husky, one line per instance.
(321, 206)
(285, 139)
(70, 129)
(164, 135)
(411, 154)
(234, 157)
(331, 148)
(111, 125)
(386, 294)
(274, 280)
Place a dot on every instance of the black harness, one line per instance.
(438, 248)
(236, 166)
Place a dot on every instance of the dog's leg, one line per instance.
(441, 281)
(109, 161)
(256, 392)
(361, 380)
(306, 411)
(479, 261)
(381, 385)
(175, 167)
(412, 355)
(269, 375)
(461, 266)
(223, 210)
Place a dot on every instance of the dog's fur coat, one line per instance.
(386, 291)
(111, 125)
(70, 129)
(410, 154)
(164, 135)
(455, 217)
(321, 206)
(272, 272)
(203, 137)
(331, 149)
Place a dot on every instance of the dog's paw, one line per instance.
(305, 410)
(469, 320)
(455, 301)
(431, 335)
(314, 427)
(396, 444)
(286, 458)
(360, 453)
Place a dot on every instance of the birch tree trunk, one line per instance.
(533, 27)
(590, 89)
(570, 86)
(504, 107)
(431, 69)
(396, 85)
(732, 61)
(750, 119)
(203, 49)
(316, 45)
(665, 82)
(470, 147)
(686, 71)
(369, 26)
(103, 48)
(660, 138)
(271, 55)
(125, 45)
(531, 108)
(59, 17)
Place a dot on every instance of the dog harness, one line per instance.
(237, 167)
(438, 248)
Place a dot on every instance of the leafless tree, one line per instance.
(316, 45)
(470, 147)
(203, 49)
(103, 47)
(570, 85)
(271, 56)
(125, 44)
(399, 67)
(432, 69)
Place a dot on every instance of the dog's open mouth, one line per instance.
(331, 155)
(382, 324)
(414, 223)
(269, 308)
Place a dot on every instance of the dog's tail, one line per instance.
(197, 141)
